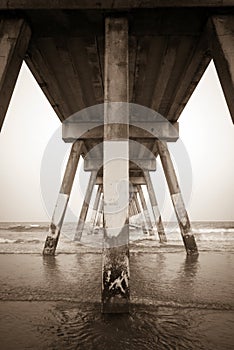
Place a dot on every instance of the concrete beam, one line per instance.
(63, 198)
(140, 180)
(93, 164)
(106, 4)
(138, 130)
(223, 55)
(115, 266)
(14, 39)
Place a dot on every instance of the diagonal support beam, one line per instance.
(154, 204)
(63, 198)
(223, 55)
(85, 206)
(14, 39)
(115, 266)
(177, 200)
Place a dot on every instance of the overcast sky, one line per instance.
(206, 131)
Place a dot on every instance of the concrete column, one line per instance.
(62, 201)
(130, 210)
(95, 206)
(85, 206)
(143, 224)
(154, 204)
(14, 39)
(134, 209)
(100, 214)
(115, 267)
(145, 210)
(177, 200)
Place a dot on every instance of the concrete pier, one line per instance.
(90, 56)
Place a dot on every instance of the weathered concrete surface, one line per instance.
(71, 131)
(63, 198)
(135, 180)
(223, 54)
(14, 40)
(177, 200)
(115, 268)
(93, 164)
(115, 279)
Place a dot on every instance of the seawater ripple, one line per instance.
(176, 302)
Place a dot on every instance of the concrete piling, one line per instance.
(62, 201)
(145, 210)
(115, 266)
(143, 223)
(155, 208)
(95, 207)
(85, 206)
(177, 200)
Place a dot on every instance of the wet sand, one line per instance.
(177, 303)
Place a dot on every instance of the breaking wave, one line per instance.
(23, 228)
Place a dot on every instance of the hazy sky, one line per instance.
(206, 130)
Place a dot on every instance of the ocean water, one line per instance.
(177, 302)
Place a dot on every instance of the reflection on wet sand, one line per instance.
(174, 299)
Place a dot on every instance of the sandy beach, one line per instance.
(177, 303)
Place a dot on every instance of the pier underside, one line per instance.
(118, 75)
